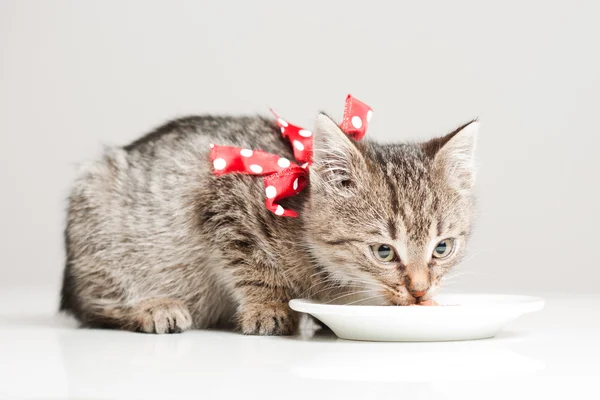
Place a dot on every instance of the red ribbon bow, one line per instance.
(284, 178)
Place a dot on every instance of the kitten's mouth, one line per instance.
(396, 298)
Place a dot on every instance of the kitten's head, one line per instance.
(390, 219)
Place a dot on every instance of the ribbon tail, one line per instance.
(284, 184)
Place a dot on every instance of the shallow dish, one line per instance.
(459, 317)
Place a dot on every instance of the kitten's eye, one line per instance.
(443, 248)
(383, 253)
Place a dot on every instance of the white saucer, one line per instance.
(459, 317)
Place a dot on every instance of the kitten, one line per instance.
(156, 243)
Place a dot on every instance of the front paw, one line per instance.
(273, 318)
(162, 316)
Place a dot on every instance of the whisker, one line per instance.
(351, 294)
(367, 299)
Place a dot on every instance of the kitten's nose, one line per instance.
(417, 280)
(419, 293)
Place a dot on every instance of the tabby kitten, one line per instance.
(156, 243)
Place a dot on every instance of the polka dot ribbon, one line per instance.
(282, 177)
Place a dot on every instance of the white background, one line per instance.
(75, 76)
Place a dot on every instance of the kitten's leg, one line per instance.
(160, 315)
(99, 300)
(270, 318)
(249, 264)
(264, 309)
(157, 315)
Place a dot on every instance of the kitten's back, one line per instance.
(132, 214)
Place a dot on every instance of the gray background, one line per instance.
(77, 75)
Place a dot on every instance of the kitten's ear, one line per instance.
(454, 155)
(336, 160)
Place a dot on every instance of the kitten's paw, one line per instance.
(274, 318)
(162, 316)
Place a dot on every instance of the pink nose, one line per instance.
(419, 294)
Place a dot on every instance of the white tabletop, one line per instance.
(551, 354)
